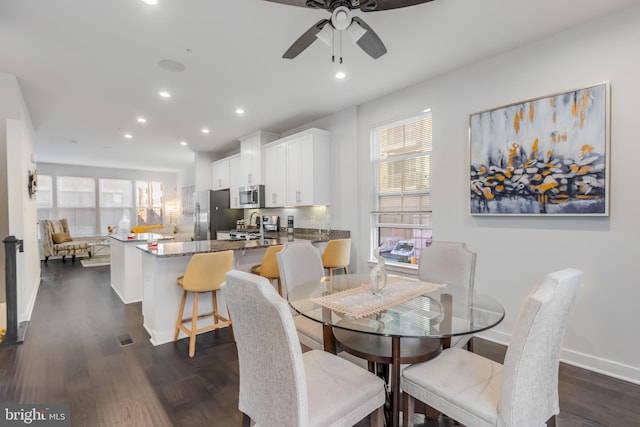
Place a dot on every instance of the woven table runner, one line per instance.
(360, 302)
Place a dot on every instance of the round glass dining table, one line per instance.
(445, 312)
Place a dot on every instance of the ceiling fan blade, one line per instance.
(301, 3)
(370, 42)
(387, 4)
(305, 40)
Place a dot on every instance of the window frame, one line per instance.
(375, 224)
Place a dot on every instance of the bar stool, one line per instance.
(204, 273)
(269, 266)
(336, 255)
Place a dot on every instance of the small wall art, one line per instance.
(544, 156)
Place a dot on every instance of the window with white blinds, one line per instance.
(149, 202)
(116, 200)
(76, 201)
(402, 166)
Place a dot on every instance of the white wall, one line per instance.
(515, 252)
(21, 212)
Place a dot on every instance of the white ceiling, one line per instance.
(88, 68)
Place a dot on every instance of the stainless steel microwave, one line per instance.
(251, 197)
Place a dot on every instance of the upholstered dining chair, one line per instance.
(300, 262)
(294, 389)
(269, 266)
(336, 255)
(523, 392)
(451, 263)
(204, 273)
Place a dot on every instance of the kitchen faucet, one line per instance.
(251, 217)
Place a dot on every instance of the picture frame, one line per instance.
(546, 156)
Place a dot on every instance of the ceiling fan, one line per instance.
(342, 19)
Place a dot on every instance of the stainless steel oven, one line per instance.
(251, 197)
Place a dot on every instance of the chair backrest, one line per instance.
(269, 266)
(337, 253)
(273, 388)
(529, 393)
(447, 262)
(206, 272)
(299, 262)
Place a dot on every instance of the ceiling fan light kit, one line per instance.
(342, 20)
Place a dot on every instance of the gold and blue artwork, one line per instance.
(545, 156)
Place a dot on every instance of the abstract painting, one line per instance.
(545, 156)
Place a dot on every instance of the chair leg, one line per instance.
(377, 417)
(246, 421)
(46, 259)
(73, 258)
(551, 422)
(214, 302)
(194, 326)
(408, 405)
(180, 315)
(470, 345)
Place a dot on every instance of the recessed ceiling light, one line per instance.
(239, 111)
(340, 75)
(205, 130)
(183, 143)
(165, 94)
(128, 135)
(141, 120)
(151, 2)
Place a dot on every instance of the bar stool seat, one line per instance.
(269, 266)
(336, 255)
(204, 273)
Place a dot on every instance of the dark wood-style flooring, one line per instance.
(73, 354)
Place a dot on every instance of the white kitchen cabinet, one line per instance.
(275, 174)
(220, 173)
(308, 178)
(234, 181)
(251, 157)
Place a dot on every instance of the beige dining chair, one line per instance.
(451, 263)
(293, 389)
(523, 392)
(299, 262)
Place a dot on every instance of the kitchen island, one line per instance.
(126, 275)
(161, 267)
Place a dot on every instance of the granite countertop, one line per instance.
(139, 237)
(176, 249)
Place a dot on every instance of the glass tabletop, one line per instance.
(446, 312)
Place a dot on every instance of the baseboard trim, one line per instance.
(599, 365)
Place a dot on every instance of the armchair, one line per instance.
(56, 240)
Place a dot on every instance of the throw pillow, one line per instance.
(61, 238)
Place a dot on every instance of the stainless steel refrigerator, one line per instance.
(211, 213)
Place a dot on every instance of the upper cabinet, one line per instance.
(308, 168)
(297, 170)
(275, 174)
(234, 181)
(220, 173)
(251, 157)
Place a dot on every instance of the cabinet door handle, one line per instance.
(219, 182)
(297, 195)
(273, 198)
(249, 178)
